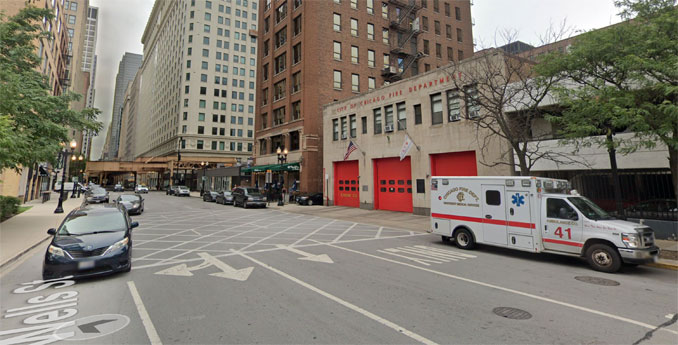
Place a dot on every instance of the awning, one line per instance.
(272, 167)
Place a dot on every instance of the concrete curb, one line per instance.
(665, 264)
(24, 252)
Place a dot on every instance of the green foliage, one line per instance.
(32, 121)
(9, 206)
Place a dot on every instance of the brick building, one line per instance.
(315, 52)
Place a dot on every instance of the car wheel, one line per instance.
(463, 239)
(310, 202)
(603, 258)
(244, 204)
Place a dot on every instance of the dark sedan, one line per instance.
(311, 199)
(133, 203)
(210, 196)
(96, 195)
(225, 198)
(92, 240)
(171, 190)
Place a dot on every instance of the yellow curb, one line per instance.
(665, 266)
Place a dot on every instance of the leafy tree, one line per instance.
(33, 122)
(623, 78)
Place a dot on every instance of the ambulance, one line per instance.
(538, 215)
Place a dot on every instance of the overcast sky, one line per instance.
(122, 22)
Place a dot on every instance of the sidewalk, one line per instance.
(23, 232)
(668, 254)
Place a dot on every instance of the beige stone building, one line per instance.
(433, 113)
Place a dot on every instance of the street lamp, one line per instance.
(79, 159)
(204, 169)
(65, 153)
(282, 159)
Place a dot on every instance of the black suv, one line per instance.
(247, 197)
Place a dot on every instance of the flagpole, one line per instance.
(361, 150)
(409, 136)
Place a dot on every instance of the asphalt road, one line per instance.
(213, 274)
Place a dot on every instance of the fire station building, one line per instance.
(364, 136)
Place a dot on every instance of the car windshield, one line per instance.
(183, 187)
(251, 191)
(589, 209)
(98, 191)
(83, 223)
(128, 197)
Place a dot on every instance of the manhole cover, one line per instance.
(597, 281)
(512, 313)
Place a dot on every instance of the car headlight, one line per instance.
(264, 198)
(56, 251)
(117, 245)
(135, 204)
(631, 240)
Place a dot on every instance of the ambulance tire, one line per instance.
(464, 239)
(601, 257)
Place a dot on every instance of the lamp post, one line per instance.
(204, 169)
(78, 159)
(65, 153)
(282, 159)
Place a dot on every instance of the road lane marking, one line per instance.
(227, 271)
(308, 256)
(525, 294)
(344, 233)
(346, 304)
(143, 314)
(381, 228)
(312, 233)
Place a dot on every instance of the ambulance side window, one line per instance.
(560, 209)
(493, 197)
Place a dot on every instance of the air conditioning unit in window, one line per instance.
(343, 136)
(454, 117)
(388, 128)
(392, 69)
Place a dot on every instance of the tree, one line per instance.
(33, 122)
(509, 97)
(623, 78)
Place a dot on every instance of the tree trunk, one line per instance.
(28, 184)
(615, 175)
(673, 163)
(522, 163)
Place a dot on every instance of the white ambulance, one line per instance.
(537, 215)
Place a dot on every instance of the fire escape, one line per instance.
(404, 26)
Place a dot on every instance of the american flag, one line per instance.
(351, 148)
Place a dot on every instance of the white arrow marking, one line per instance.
(308, 256)
(669, 316)
(227, 271)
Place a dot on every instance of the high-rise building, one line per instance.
(89, 64)
(197, 89)
(315, 52)
(127, 69)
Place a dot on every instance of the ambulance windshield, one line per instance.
(589, 209)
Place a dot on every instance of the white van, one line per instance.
(537, 215)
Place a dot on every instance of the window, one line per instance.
(370, 58)
(202, 103)
(371, 83)
(450, 54)
(71, 20)
(370, 6)
(264, 73)
(296, 25)
(436, 109)
(267, 25)
(436, 27)
(424, 23)
(354, 4)
(281, 12)
(264, 121)
(439, 51)
(370, 31)
(183, 129)
(457, 13)
(447, 9)
(296, 54)
(387, 60)
(417, 114)
(460, 55)
(344, 129)
(426, 49)
(377, 120)
(264, 97)
(296, 82)
(281, 37)
(297, 3)
(337, 22)
(354, 27)
(472, 105)
(279, 116)
(384, 10)
(363, 124)
(208, 16)
(459, 36)
(337, 50)
(384, 35)
(388, 116)
(401, 116)
(448, 32)
(492, 197)
(355, 83)
(201, 130)
(280, 63)
(337, 80)
(560, 209)
(335, 129)
(453, 106)
(206, 28)
(436, 6)
(353, 125)
(296, 110)
(279, 90)
(354, 54)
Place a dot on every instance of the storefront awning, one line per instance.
(273, 167)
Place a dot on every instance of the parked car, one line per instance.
(210, 196)
(310, 199)
(118, 188)
(224, 198)
(247, 197)
(133, 203)
(140, 188)
(654, 209)
(182, 191)
(96, 195)
(90, 241)
(171, 190)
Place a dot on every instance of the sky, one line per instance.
(122, 22)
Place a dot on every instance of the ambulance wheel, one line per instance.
(603, 258)
(464, 239)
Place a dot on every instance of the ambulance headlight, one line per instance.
(631, 240)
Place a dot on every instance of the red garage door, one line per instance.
(393, 181)
(346, 191)
(454, 164)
